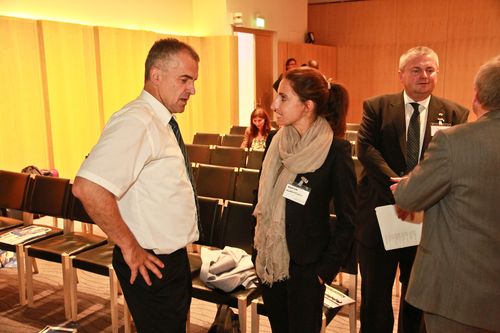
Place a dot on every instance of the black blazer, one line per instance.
(311, 237)
(381, 148)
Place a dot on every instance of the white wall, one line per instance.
(287, 17)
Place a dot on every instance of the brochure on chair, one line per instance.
(20, 235)
(335, 298)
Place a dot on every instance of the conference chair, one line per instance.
(207, 139)
(11, 184)
(97, 260)
(215, 181)
(198, 153)
(232, 140)
(13, 188)
(247, 182)
(58, 248)
(228, 156)
(255, 159)
(236, 230)
(237, 130)
(210, 213)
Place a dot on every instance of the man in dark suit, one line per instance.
(457, 267)
(395, 131)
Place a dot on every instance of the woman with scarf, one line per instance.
(307, 164)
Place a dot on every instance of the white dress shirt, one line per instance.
(423, 110)
(139, 160)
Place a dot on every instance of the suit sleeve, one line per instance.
(368, 144)
(430, 181)
(344, 198)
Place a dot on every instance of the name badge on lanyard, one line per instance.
(297, 192)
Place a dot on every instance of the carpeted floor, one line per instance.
(93, 305)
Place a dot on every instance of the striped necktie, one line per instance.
(413, 140)
(175, 127)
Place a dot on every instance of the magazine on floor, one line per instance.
(335, 298)
(57, 329)
(20, 235)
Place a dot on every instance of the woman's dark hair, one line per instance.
(260, 112)
(331, 98)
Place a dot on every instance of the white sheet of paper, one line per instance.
(397, 233)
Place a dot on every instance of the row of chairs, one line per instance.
(236, 129)
(230, 223)
(53, 197)
(227, 140)
(227, 183)
(225, 156)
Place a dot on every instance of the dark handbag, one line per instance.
(226, 321)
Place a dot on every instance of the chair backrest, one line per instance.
(13, 189)
(247, 182)
(228, 156)
(198, 153)
(237, 226)
(255, 158)
(210, 214)
(232, 140)
(49, 196)
(76, 211)
(237, 129)
(215, 181)
(207, 138)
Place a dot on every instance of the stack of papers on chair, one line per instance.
(335, 298)
(20, 235)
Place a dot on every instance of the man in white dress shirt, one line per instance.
(136, 185)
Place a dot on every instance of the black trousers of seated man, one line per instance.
(295, 305)
(163, 306)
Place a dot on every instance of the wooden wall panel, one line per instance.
(371, 35)
(325, 55)
(23, 125)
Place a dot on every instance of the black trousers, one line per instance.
(295, 305)
(163, 306)
(378, 270)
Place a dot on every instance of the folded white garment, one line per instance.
(227, 269)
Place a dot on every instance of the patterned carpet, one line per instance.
(93, 305)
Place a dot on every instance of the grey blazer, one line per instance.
(456, 273)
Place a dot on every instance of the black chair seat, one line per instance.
(73, 243)
(7, 223)
(97, 260)
(204, 293)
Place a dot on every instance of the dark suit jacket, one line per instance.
(457, 268)
(311, 237)
(381, 148)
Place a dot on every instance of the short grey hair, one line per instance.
(415, 52)
(487, 84)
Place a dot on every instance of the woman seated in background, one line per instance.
(256, 134)
(299, 249)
